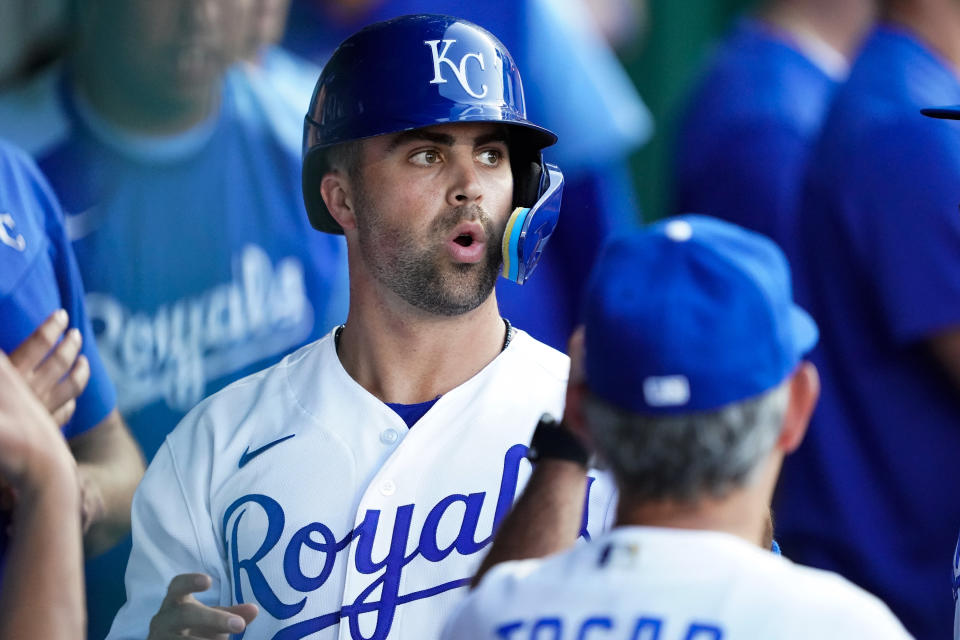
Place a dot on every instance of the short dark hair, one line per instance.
(343, 157)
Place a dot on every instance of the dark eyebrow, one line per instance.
(420, 135)
(497, 135)
(417, 135)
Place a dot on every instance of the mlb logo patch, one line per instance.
(666, 391)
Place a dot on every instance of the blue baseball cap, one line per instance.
(691, 314)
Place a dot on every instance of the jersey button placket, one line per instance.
(389, 436)
(388, 488)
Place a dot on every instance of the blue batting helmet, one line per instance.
(422, 70)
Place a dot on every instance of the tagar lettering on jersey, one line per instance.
(642, 627)
(326, 548)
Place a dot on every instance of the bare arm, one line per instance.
(546, 519)
(42, 590)
(110, 466)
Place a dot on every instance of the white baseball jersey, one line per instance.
(298, 490)
(643, 583)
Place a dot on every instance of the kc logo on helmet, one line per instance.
(460, 71)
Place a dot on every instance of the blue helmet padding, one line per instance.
(511, 243)
(412, 72)
(528, 230)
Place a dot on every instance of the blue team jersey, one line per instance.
(747, 130)
(199, 261)
(38, 275)
(567, 88)
(871, 492)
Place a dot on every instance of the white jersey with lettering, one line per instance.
(644, 583)
(298, 490)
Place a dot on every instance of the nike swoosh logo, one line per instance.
(250, 455)
(80, 225)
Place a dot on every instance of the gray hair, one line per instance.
(684, 458)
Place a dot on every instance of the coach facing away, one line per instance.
(689, 381)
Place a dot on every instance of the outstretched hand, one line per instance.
(54, 368)
(182, 615)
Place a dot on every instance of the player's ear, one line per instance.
(804, 392)
(336, 189)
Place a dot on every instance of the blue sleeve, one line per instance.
(910, 229)
(748, 173)
(46, 278)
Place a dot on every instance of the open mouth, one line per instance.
(466, 242)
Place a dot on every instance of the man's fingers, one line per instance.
(56, 365)
(31, 351)
(248, 611)
(69, 388)
(183, 585)
(63, 413)
(206, 622)
(197, 619)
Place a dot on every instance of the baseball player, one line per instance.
(581, 81)
(693, 390)
(879, 240)
(350, 490)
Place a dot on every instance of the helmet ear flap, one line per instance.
(530, 225)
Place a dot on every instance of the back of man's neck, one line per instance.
(739, 514)
(936, 23)
(841, 30)
(415, 357)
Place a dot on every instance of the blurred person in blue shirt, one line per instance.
(41, 295)
(182, 199)
(754, 114)
(870, 493)
(578, 90)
